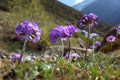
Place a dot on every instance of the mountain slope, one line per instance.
(46, 13)
(107, 10)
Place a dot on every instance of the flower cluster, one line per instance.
(88, 20)
(16, 57)
(110, 38)
(73, 56)
(28, 31)
(61, 32)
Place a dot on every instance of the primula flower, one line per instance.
(118, 30)
(86, 20)
(71, 29)
(16, 57)
(110, 38)
(28, 31)
(55, 35)
(68, 30)
(67, 56)
(73, 56)
(62, 33)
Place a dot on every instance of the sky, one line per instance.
(71, 2)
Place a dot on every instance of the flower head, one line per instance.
(69, 30)
(16, 57)
(61, 32)
(67, 56)
(28, 31)
(73, 56)
(110, 38)
(118, 30)
(55, 35)
(86, 20)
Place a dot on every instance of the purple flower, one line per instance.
(94, 35)
(61, 32)
(68, 30)
(71, 29)
(98, 43)
(55, 35)
(16, 57)
(86, 20)
(28, 31)
(110, 38)
(73, 56)
(92, 47)
(118, 30)
(67, 56)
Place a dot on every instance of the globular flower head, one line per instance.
(69, 30)
(61, 32)
(28, 31)
(55, 35)
(88, 20)
(110, 38)
(16, 57)
(118, 30)
(94, 35)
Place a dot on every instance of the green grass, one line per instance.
(100, 67)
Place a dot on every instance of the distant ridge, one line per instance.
(108, 11)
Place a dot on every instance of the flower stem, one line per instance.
(87, 43)
(62, 47)
(23, 49)
(69, 45)
(93, 54)
(93, 45)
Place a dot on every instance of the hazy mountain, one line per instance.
(107, 10)
(82, 5)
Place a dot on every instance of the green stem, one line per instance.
(93, 54)
(62, 47)
(93, 45)
(87, 43)
(23, 49)
(69, 44)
